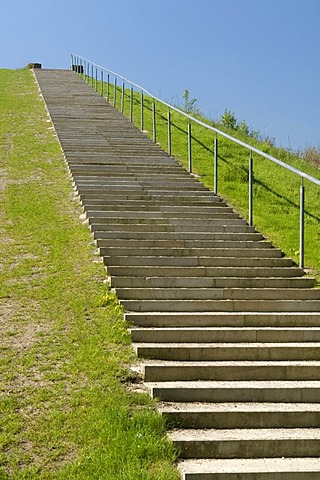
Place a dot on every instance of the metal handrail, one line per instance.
(78, 61)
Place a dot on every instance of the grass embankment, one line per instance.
(65, 351)
(276, 190)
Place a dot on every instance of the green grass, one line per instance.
(65, 411)
(276, 190)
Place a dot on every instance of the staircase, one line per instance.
(226, 328)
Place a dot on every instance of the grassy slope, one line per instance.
(64, 348)
(276, 190)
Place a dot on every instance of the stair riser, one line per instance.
(155, 373)
(185, 252)
(166, 227)
(196, 245)
(224, 320)
(228, 220)
(225, 420)
(248, 448)
(113, 207)
(202, 236)
(207, 282)
(216, 294)
(198, 261)
(198, 354)
(184, 216)
(271, 395)
(224, 336)
(220, 306)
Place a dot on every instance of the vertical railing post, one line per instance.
(122, 98)
(108, 87)
(142, 117)
(71, 61)
(251, 190)
(189, 148)
(96, 80)
(215, 166)
(101, 83)
(301, 260)
(169, 133)
(115, 92)
(131, 103)
(154, 127)
(88, 73)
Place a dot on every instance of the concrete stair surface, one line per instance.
(227, 329)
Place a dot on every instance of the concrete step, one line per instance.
(188, 252)
(223, 319)
(166, 227)
(201, 271)
(257, 351)
(161, 371)
(193, 293)
(251, 469)
(211, 282)
(225, 334)
(221, 305)
(141, 199)
(219, 214)
(195, 261)
(229, 219)
(184, 244)
(219, 391)
(247, 443)
(241, 415)
(189, 236)
(156, 207)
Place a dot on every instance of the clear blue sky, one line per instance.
(258, 58)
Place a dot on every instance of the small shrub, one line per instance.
(190, 104)
(228, 119)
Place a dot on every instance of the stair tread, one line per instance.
(238, 434)
(237, 407)
(215, 384)
(250, 465)
(230, 345)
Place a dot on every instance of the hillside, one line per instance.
(65, 351)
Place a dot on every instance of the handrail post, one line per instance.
(108, 87)
(169, 132)
(215, 166)
(251, 190)
(189, 149)
(96, 80)
(142, 119)
(88, 73)
(154, 127)
(122, 98)
(131, 103)
(71, 61)
(115, 92)
(101, 83)
(301, 262)
(92, 76)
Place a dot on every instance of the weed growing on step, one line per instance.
(65, 351)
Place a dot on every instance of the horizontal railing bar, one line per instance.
(209, 127)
